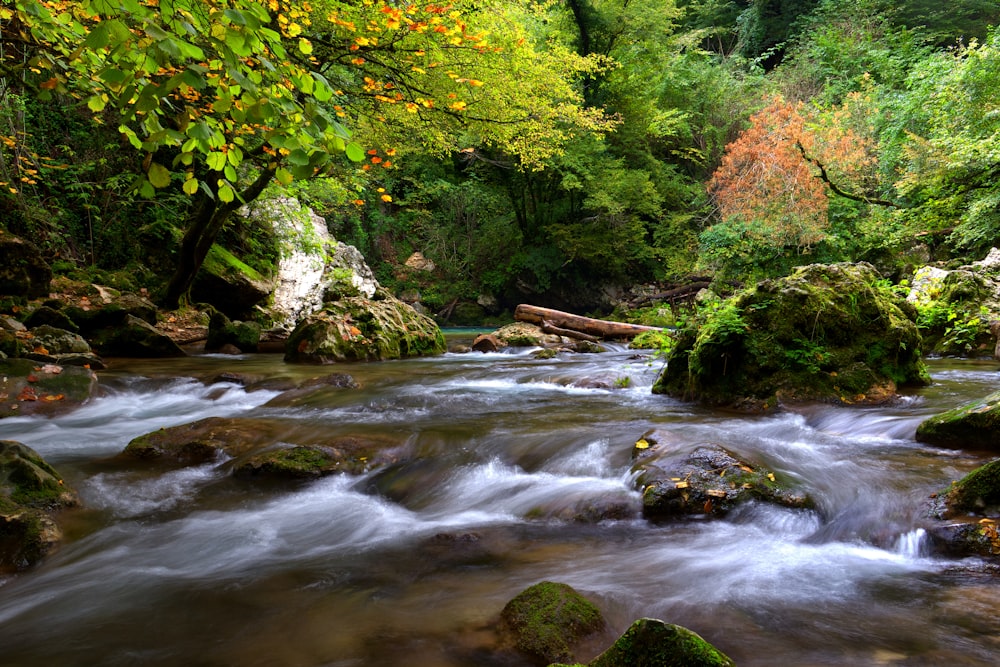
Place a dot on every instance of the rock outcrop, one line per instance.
(28, 387)
(828, 333)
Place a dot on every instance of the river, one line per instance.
(411, 565)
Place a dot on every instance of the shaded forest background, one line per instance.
(734, 139)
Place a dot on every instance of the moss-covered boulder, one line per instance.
(975, 425)
(977, 493)
(281, 448)
(969, 514)
(652, 643)
(23, 272)
(707, 480)
(29, 490)
(547, 620)
(825, 333)
(229, 284)
(362, 329)
(28, 387)
(244, 336)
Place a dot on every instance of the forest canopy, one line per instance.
(528, 148)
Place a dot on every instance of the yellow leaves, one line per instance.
(386, 198)
(642, 443)
(458, 106)
(6, 13)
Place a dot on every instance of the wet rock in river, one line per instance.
(702, 480)
(546, 620)
(279, 448)
(975, 425)
(654, 643)
(29, 490)
(30, 387)
(969, 511)
(824, 333)
(362, 329)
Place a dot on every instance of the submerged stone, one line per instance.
(825, 333)
(29, 387)
(546, 620)
(280, 448)
(975, 425)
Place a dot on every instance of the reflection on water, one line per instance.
(518, 460)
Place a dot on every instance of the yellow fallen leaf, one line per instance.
(715, 493)
(642, 443)
(681, 485)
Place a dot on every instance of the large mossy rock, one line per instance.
(652, 643)
(975, 425)
(276, 448)
(546, 620)
(702, 480)
(229, 284)
(28, 387)
(29, 489)
(362, 329)
(825, 333)
(23, 272)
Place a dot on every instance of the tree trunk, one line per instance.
(208, 219)
(585, 325)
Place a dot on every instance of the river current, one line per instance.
(411, 565)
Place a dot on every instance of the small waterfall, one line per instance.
(913, 544)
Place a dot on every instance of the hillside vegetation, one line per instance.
(532, 150)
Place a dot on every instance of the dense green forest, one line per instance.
(533, 149)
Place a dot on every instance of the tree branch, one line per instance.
(825, 177)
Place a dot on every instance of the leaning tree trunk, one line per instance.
(209, 217)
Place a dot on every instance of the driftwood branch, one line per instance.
(549, 328)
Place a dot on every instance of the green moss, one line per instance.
(657, 644)
(975, 424)
(222, 262)
(826, 332)
(546, 619)
(977, 491)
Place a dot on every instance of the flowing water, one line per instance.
(412, 564)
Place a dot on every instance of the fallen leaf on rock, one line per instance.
(642, 443)
(32, 378)
(715, 493)
(27, 394)
(52, 368)
(53, 397)
(40, 350)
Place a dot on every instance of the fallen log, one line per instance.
(585, 325)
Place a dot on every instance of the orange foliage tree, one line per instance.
(774, 180)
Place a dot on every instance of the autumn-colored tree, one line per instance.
(776, 178)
